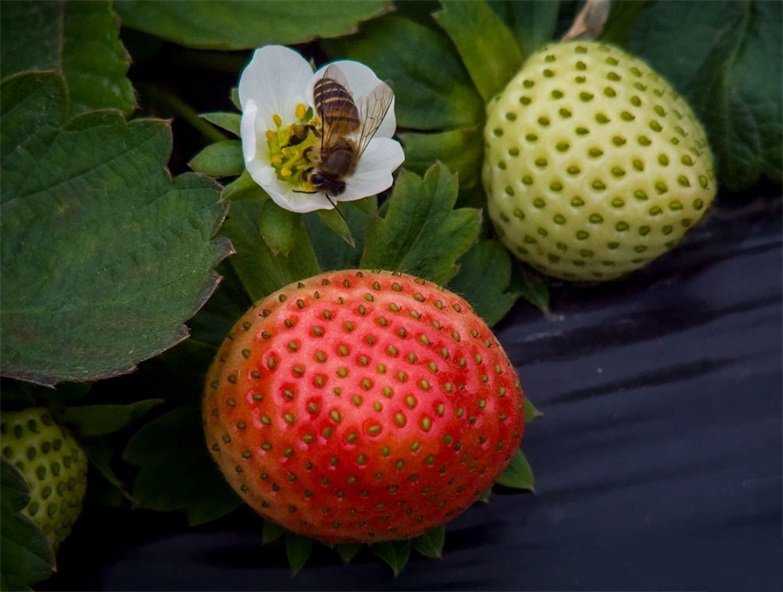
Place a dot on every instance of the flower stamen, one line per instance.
(291, 147)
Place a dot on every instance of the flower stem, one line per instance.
(180, 109)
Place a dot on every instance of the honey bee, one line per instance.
(346, 128)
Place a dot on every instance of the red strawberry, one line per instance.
(361, 406)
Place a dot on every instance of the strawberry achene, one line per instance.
(360, 406)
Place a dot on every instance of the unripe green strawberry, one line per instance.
(361, 406)
(54, 466)
(594, 165)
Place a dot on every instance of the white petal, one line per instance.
(361, 81)
(287, 198)
(252, 132)
(374, 170)
(360, 78)
(247, 130)
(276, 79)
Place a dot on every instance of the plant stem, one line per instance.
(179, 108)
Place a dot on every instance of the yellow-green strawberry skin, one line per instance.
(52, 463)
(594, 165)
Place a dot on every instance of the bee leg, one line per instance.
(299, 134)
(336, 209)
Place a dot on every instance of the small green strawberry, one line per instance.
(52, 463)
(361, 406)
(594, 165)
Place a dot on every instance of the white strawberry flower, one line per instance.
(280, 131)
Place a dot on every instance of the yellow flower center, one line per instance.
(291, 147)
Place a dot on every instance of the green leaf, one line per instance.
(243, 187)
(25, 555)
(432, 89)
(484, 280)
(297, 549)
(175, 469)
(518, 474)
(104, 255)
(80, 40)
(421, 233)
(531, 286)
(532, 23)
(221, 159)
(430, 544)
(332, 250)
(347, 551)
(531, 412)
(213, 322)
(279, 227)
(394, 553)
(101, 452)
(219, 24)
(461, 150)
(486, 45)
(224, 120)
(271, 531)
(99, 420)
(726, 58)
(258, 268)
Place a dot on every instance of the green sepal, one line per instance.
(531, 412)
(243, 187)
(518, 474)
(430, 544)
(531, 286)
(271, 531)
(487, 46)
(261, 271)
(170, 480)
(338, 223)
(334, 252)
(101, 451)
(225, 120)
(234, 96)
(297, 549)
(420, 232)
(89, 421)
(533, 24)
(394, 553)
(347, 551)
(461, 150)
(619, 24)
(278, 227)
(484, 280)
(221, 159)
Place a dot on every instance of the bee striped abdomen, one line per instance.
(335, 106)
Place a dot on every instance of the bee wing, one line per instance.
(372, 111)
(334, 72)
